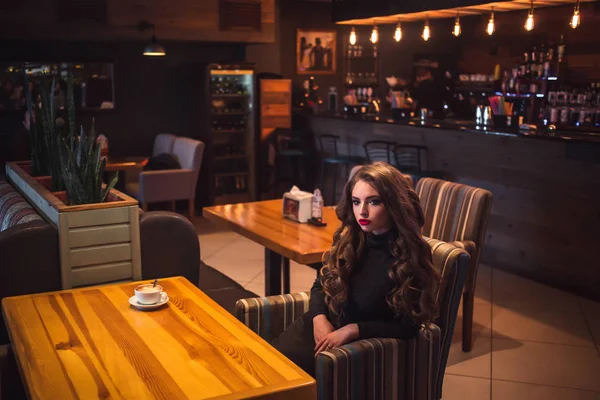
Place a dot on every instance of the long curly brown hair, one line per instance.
(413, 272)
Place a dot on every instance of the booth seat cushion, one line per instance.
(14, 209)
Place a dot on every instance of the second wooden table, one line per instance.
(264, 223)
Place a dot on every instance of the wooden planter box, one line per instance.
(98, 242)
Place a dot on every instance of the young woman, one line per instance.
(377, 279)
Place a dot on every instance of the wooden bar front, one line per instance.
(545, 219)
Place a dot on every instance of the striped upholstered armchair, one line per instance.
(457, 214)
(375, 368)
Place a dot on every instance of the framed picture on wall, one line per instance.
(315, 52)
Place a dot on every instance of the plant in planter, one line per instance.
(83, 169)
(47, 128)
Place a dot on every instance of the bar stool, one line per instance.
(330, 155)
(409, 160)
(379, 150)
(290, 157)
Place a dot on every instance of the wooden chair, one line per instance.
(420, 362)
(457, 214)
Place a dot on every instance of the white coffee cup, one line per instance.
(148, 294)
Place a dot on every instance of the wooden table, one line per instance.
(124, 163)
(264, 223)
(90, 343)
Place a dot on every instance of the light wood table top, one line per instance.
(90, 343)
(264, 223)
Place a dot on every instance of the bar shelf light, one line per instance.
(426, 30)
(352, 37)
(374, 35)
(456, 31)
(530, 22)
(398, 33)
(491, 26)
(576, 18)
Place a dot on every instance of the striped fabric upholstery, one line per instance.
(270, 316)
(382, 368)
(376, 368)
(14, 209)
(458, 214)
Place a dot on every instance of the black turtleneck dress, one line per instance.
(366, 306)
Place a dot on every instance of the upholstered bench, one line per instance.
(14, 209)
(29, 252)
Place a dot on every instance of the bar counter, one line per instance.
(581, 135)
(545, 218)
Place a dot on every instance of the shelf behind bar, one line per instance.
(229, 95)
(230, 113)
(215, 131)
(221, 174)
(233, 157)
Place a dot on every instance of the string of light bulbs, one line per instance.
(457, 29)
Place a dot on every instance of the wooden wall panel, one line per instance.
(275, 105)
(544, 223)
(174, 20)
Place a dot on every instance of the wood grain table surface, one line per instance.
(124, 163)
(264, 223)
(90, 343)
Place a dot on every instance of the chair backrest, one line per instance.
(163, 143)
(329, 144)
(455, 212)
(408, 158)
(453, 264)
(189, 153)
(377, 150)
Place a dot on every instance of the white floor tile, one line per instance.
(546, 364)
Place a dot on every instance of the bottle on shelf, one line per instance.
(541, 63)
(524, 65)
(548, 60)
(359, 79)
(562, 47)
(533, 64)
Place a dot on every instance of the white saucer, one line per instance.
(164, 299)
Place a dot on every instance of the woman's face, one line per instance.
(369, 211)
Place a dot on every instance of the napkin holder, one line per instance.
(297, 205)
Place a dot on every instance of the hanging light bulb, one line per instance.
(491, 26)
(529, 24)
(576, 18)
(426, 30)
(456, 31)
(374, 35)
(398, 33)
(352, 38)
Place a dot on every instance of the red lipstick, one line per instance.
(364, 221)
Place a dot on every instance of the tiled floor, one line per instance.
(531, 342)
